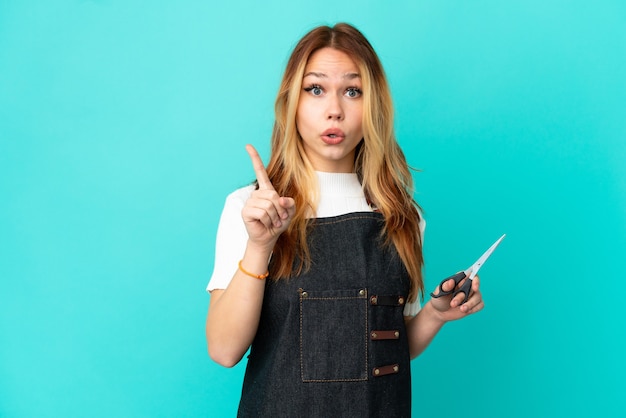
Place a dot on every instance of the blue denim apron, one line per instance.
(332, 341)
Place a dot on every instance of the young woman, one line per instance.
(319, 264)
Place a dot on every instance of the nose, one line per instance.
(335, 111)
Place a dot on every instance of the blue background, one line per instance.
(122, 127)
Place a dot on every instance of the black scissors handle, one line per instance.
(465, 287)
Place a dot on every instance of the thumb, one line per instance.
(287, 202)
(448, 285)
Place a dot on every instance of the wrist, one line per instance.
(433, 314)
(256, 276)
(258, 250)
(255, 260)
(262, 250)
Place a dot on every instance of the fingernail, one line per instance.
(278, 224)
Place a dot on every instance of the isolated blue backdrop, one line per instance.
(122, 127)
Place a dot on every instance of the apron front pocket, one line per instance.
(333, 335)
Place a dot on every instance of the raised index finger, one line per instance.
(259, 169)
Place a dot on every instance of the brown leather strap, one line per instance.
(385, 334)
(385, 370)
(391, 300)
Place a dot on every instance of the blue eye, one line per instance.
(353, 92)
(315, 90)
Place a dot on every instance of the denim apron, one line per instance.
(332, 341)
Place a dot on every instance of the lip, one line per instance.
(333, 136)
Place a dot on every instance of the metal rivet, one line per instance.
(376, 372)
(362, 292)
(397, 334)
(401, 301)
(374, 335)
(395, 369)
(304, 294)
(374, 300)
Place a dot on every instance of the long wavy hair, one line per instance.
(379, 162)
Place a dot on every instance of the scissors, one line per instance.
(470, 273)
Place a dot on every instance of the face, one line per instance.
(330, 111)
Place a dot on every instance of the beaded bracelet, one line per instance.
(256, 276)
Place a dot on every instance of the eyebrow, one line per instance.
(349, 76)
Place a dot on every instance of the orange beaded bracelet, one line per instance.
(256, 276)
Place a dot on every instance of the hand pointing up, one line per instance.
(266, 214)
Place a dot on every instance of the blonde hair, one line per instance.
(379, 163)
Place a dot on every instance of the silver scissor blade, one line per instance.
(479, 263)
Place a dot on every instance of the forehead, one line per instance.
(330, 61)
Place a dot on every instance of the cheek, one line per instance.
(301, 125)
(357, 117)
(303, 115)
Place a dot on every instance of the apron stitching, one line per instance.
(332, 222)
(301, 301)
(301, 342)
(367, 366)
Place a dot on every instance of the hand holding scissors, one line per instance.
(469, 273)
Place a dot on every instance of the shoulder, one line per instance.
(242, 193)
(239, 196)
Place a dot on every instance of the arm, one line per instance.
(234, 312)
(422, 328)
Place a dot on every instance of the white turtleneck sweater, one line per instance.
(340, 193)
